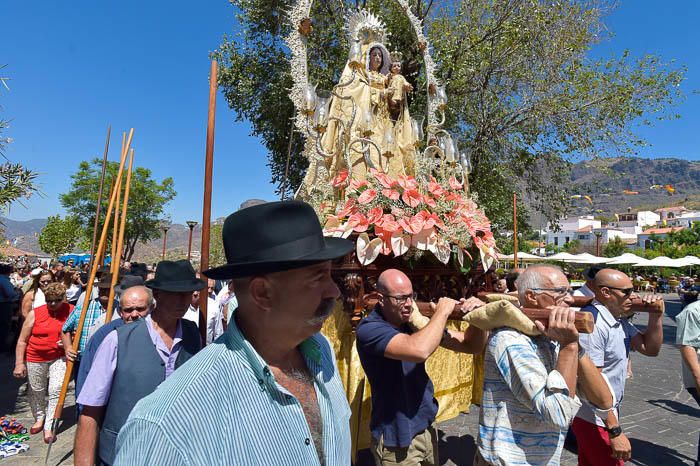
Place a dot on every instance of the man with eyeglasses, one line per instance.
(530, 381)
(601, 441)
(393, 357)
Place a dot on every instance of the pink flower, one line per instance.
(374, 215)
(412, 225)
(411, 197)
(349, 208)
(385, 180)
(341, 179)
(357, 185)
(388, 223)
(385, 236)
(358, 222)
(454, 184)
(435, 189)
(429, 201)
(407, 182)
(367, 196)
(391, 194)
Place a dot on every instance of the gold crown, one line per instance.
(396, 56)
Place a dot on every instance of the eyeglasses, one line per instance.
(400, 300)
(561, 291)
(129, 310)
(44, 282)
(626, 292)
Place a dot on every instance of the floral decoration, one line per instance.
(393, 214)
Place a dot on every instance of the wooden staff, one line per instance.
(86, 302)
(583, 321)
(99, 200)
(120, 245)
(515, 230)
(206, 211)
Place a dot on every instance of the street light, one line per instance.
(191, 224)
(165, 226)
(597, 234)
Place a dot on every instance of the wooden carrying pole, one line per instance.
(515, 231)
(120, 240)
(99, 200)
(88, 292)
(206, 211)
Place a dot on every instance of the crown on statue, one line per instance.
(396, 57)
(365, 27)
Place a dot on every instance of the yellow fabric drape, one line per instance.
(453, 375)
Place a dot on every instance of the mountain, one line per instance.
(23, 234)
(606, 180)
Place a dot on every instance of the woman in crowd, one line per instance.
(39, 345)
(74, 286)
(35, 296)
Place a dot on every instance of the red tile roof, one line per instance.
(661, 231)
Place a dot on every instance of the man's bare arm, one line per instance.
(87, 435)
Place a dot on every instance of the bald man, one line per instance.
(601, 441)
(393, 357)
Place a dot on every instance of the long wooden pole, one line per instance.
(515, 230)
(206, 211)
(99, 200)
(120, 241)
(88, 295)
(114, 266)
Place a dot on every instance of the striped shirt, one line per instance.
(224, 407)
(526, 409)
(94, 311)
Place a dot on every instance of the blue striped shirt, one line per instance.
(224, 407)
(94, 312)
(526, 408)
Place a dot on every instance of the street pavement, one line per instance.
(661, 420)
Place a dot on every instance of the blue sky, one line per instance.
(78, 66)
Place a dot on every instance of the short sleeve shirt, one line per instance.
(403, 404)
(608, 347)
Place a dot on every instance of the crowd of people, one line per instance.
(260, 384)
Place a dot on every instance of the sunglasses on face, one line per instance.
(54, 301)
(129, 310)
(44, 282)
(626, 292)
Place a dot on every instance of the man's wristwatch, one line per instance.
(614, 432)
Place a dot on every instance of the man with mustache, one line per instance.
(268, 390)
(393, 357)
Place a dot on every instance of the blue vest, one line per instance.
(139, 372)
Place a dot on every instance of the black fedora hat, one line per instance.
(273, 237)
(128, 281)
(176, 276)
(105, 281)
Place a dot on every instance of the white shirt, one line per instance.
(215, 325)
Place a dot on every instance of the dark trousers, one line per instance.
(694, 392)
(5, 326)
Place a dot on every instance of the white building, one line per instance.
(571, 229)
(633, 223)
(643, 240)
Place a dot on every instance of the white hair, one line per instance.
(534, 277)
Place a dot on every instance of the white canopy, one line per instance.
(522, 256)
(662, 261)
(626, 258)
(562, 257)
(690, 260)
(586, 258)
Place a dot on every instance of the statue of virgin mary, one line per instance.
(361, 133)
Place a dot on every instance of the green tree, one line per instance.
(615, 248)
(524, 94)
(217, 256)
(147, 199)
(59, 235)
(573, 246)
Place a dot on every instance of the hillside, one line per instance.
(605, 181)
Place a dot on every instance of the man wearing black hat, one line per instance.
(134, 359)
(267, 391)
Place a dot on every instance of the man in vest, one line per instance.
(134, 359)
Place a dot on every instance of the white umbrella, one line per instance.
(562, 257)
(586, 258)
(662, 261)
(522, 256)
(626, 258)
(690, 260)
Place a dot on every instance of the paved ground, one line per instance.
(661, 420)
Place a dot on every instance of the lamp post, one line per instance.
(191, 224)
(597, 234)
(165, 226)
